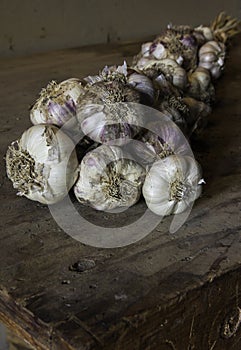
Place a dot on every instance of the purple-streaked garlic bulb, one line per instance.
(106, 115)
(57, 102)
(161, 139)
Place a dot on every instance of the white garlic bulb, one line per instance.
(57, 102)
(107, 180)
(172, 185)
(211, 57)
(42, 164)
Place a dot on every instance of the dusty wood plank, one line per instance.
(163, 292)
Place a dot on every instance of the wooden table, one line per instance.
(179, 291)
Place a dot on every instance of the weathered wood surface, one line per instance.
(179, 291)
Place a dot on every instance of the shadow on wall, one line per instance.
(36, 26)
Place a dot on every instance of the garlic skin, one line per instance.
(57, 102)
(211, 57)
(107, 180)
(42, 164)
(172, 185)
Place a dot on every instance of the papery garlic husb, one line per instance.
(57, 102)
(172, 185)
(42, 164)
(108, 179)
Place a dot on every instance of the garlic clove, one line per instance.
(43, 171)
(145, 49)
(180, 78)
(158, 51)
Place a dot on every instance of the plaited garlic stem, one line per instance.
(225, 27)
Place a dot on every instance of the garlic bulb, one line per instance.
(200, 85)
(57, 102)
(211, 57)
(161, 139)
(42, 164)
(104, 114)
(107, 180)
(172, 185)
(174, 108)
(196, 118)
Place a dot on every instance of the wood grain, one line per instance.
(179, 291)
